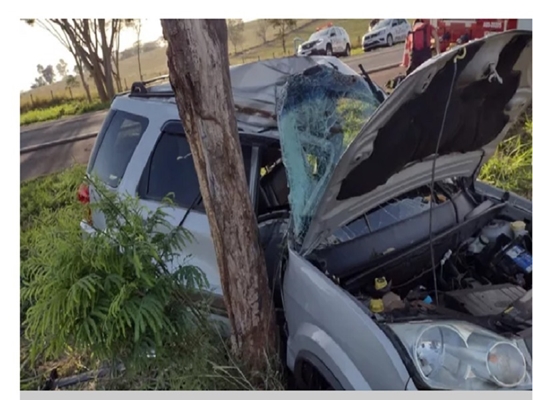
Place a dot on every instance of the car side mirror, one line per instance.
(394, 24)
(332, 34)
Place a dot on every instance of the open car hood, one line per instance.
(393, 151)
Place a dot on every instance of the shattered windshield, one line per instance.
(320, 112)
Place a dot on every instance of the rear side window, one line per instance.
(170, 171)
(116, 143)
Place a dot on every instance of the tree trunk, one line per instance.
(198, 64)
(82, 78)
(88, 56)
(118, 81)
(106, 55)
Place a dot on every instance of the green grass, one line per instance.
(154, 63)
(510, 166)
(51, 195)
(73, 107)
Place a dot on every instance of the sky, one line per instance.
(40, 47)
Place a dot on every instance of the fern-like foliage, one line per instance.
(110, 293)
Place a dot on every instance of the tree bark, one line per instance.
(199, 73)
(82, 77)
(106, 55)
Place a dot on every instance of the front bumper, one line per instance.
(374, 43)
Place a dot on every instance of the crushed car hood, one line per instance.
(488, 84)
(392, 153)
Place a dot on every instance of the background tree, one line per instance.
(72, 82)
(198, 64)
(46, 73)
(136, 25)
(62, 68)
(65, 42)
(261, 29)
(39, 81)
(283, 27)
(235, 28)
(92, 42)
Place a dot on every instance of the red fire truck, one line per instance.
(452, 30)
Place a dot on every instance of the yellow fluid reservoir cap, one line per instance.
(518, 226)
(376, 305)
(380, 283)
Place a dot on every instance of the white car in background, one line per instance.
(386, 32)
(330, 41)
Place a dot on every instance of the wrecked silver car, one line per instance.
(391, 267)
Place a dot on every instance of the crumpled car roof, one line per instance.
(256, 87)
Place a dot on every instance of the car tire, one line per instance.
(329, 50)
(390, 42)
(348, 50)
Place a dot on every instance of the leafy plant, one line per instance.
(110, 297)
(110, 293)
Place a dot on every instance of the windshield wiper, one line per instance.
(377, 93)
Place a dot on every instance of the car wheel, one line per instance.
(389, 40)
(348, 50)
(329, 50)
(311, 379)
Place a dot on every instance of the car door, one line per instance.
(343, 38)
(404, 29)
(170, 170)
(396, 30)
(332, 37)
(341, 42)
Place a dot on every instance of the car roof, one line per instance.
(256, 87)
(171, 120)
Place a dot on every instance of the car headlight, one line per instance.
(462, 356)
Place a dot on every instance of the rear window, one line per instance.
(115, 145)
(170, 171)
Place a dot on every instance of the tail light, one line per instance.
(83, 194)
(84, 198)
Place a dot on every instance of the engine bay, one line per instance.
(485, 279)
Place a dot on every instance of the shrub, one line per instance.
(111, 292)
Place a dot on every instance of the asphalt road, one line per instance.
(69, 127)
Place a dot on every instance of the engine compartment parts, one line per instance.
(506, 260)
(382, 298)
(521, 308)
(485, 300)
(518, 228)
(478, 244)
(495, 229)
